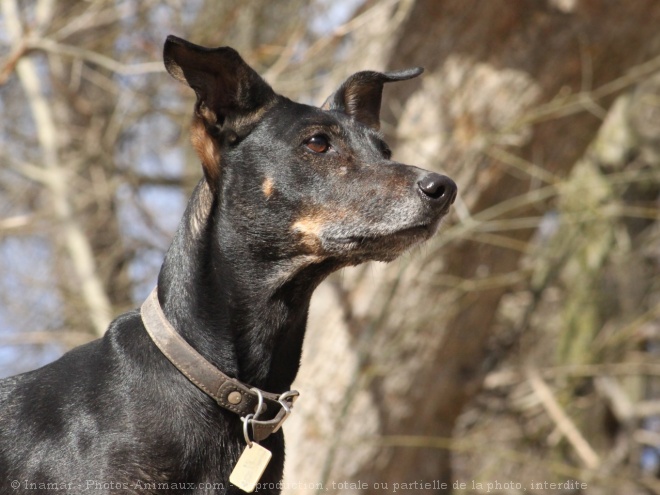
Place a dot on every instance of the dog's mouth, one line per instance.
(380, 246)
(409, 232)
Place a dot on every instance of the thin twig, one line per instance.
(586, 453)
(16, 222)
(19, 50)
(99, 59)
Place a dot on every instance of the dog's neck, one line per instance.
(240, 313)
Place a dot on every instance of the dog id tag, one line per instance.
(250, 466)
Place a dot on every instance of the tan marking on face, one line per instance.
(268, 187)
(310, 226)
(309, 230)
(206, 149)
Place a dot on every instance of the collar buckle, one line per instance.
(261, 429)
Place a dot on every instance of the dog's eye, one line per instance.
(385, 150)
(318, 143)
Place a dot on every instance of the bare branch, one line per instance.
(90, 56)
(586, 453)
(69, 339)
(76, 243)
(16, 222)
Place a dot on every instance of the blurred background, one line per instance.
(520, 346)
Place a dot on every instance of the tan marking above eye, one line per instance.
(268, 187)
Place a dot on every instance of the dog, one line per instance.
(174, 394)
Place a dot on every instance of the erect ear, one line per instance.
(229, 93)
(360, 95)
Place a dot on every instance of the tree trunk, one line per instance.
(513, 93)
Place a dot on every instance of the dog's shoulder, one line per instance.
(83, 363)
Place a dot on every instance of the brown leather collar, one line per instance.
(248, 402)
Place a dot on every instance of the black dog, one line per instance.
(290, 194)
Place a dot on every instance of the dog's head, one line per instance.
(301, 181)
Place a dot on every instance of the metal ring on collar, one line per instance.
(246, 420)
(260, 404)
(284, 398)
(251, 418)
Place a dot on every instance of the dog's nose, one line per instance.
(438, 188)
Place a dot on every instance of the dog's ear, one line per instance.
(224, 84)
(227, 89)
(360, 95)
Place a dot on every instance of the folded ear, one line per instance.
(229, 92)
(225, 85)
(360, 95)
